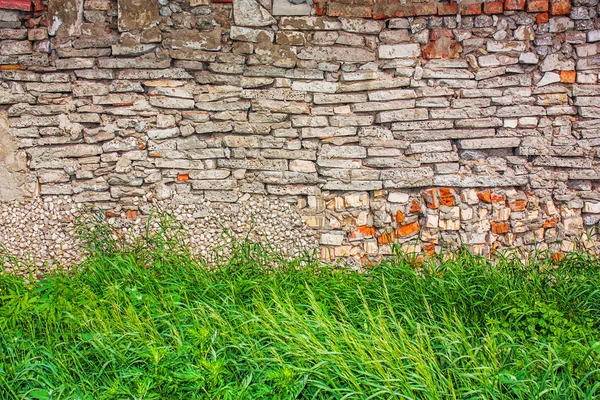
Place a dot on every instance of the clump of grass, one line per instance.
(145, 320)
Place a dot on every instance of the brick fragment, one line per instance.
(361, 232)
(542, 18)
(399, 217)
(500, 228)
(517, 205)
(415, 207)
(131, 214)
(385, 238)
(568, 76)
(447, 197)
(429, 249)
(485, 196)
(407, 230)
(431, 198)
(183, 177)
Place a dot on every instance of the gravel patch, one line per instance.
(41, 231)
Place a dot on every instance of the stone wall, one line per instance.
(427, 124)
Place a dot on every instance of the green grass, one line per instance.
(146, 321)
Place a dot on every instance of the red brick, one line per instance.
(514, 4)
(447, 9)
(560, 7)
(537, 6)
(500, 227)
(383, 9)
(541, 18)
(132, 214)
(568, 76)
(493, 7)
(425, 9)
(321, 9)
(469, 9)
(23, 5)
(407, 230)
(111, 214)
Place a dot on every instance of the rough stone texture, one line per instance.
(376, 122)
(14, 180)
(137, 14)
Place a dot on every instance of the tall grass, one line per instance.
(145, 320)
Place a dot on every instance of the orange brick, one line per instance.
(183, 177)
(11, 67)
(568, 76)
(385, 238)
(560, 7)
(500, 227)
(431, 199)
(514, 5)
(517, 205)
(558, 257)
(493, 7)
(407, 230)
(485, 196)
(399, 216)
(415, 207)
(361, 232)
(542, 18)
(537, 6)
(111, 214)
(549, 223)
(446, 197)
(132, 214)
(497, 199)
(429, 249)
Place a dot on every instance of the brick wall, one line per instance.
(427, 124)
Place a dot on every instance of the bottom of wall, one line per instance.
(361, 227)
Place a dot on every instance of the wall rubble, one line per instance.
(427, 124)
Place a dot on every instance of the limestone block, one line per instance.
(137, 14)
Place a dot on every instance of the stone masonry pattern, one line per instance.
(427, 124)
